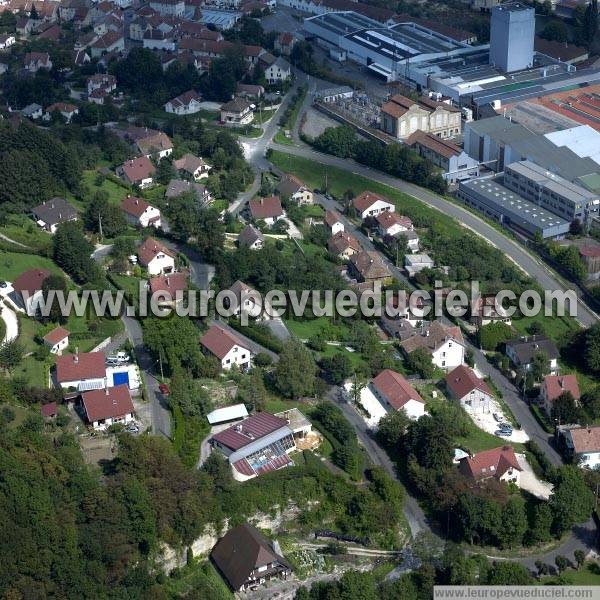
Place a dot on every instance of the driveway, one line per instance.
(11, 322)
(529, 481)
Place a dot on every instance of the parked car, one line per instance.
(164, 389)
(3, 284)
(120, 358)
(503, 433)
(505, 427)
(132, 428)
(497, 417)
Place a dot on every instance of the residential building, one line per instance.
(396, 393)
(177, 187)
(168, 289)
(192, 166)
(108, 406)
(368, 267)
(34, 61)
(343, 245)
(101, 81)
(155, 257)
(268, 209)
(444, 342)
(110, 42)
(246, 559)
(583, 444)
(81, 371)
(484, 311)
(285, 42)
(33, 111)
(172, 8)
(293, 188)
(139, 213)
(257, 445)
(370, 204)
(57, 340)
(7, 40)
(498, 463)
(522, 352)
(245, 300)
(251, 238)
(237, 112)
(250, 91)
(49, 411)
(50, 214)
(138, 171)
(156, 145)
(401, 117)
(67, 111)
(227, 348)
(27, 289)
(554, 386)
(391, 223)
(187, 103)
(333, 221)
(471, 391)
(455, 163)
(415, 263)
(279, 71)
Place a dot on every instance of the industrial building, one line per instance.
(512, 33)
(561, 197)
(500, 203)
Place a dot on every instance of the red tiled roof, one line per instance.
(332, 217)
(395, 388)
(586, 439)
(149, 249)
(78, 367)
(219, 341)
(393, 109)
(138, 169)
(253, 428)
(437, 145)
(49, 410)
(61, 107)
(558, 384)
(490, 463)
(387, 219)
(112, 402)
(171, 283)
(463, 381)
(134, 206)
(30, 281)
(266, 208)
(56, 335)
(363, 201)
(341, 241)
(590, 251)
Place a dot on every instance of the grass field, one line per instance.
(12, 264)
(22, 229)
(115, 192)
(556, 328)
(588, 575)
(321, 325)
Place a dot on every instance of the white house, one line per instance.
(227, 348)
(396, 393)
(554, 386)
(109, 406)
(173, 8)
(28, 289)
(498, 463)
(138, 171)
(333, 221)
(157, 145)
(251, 238)
(391, 223)
(6, 41)
(81, 371)
(584, 444)
(522, 352)
(445, 343)
(472, 392)
(155, 257)
(192, 165)
(293, 188)
(370, 204)
(187, 103)
(415, 263)
(139, 213)
(57, 340)
(237, 112)
(245, 299)
(268, 209)
(279, 71)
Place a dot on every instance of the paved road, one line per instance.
(526, 261)
(161, 416)
(11, 322)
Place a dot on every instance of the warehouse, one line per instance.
(510, 209)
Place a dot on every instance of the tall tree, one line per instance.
(295, 372)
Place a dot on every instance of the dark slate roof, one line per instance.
(54, 211)
(525, 348)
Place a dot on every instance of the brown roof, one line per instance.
(56, 335)
(219, 341)
(170, 283)
(332, 217)
(237, 105)
(112, 402)
(289, 184)
(370, 265)
(189, 163)
(148, 250)
(366, 199)
(393, 109)
(586, 439)
(251, 429)
(437, 145)
(75, 367)
(242, 550)
(433, 337)
(108, 39)
(395, 388)
(49, 410)
(341, 241)
(387, 218)
(134, 206)
(431, 105)
(559, 50)
(490, 463)
(285, 38)
(463, 381)
(590, 251)
(30, 281)
(265, 208)
(558, 384)
(154, 143)
(138, 169)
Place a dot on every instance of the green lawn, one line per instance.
(22, 229)
(588, 575)
(356, 358)
(556, 328)
(28, 329)
(12, 264)
(115, 192)
(321, 325)
(33, 371)
(280, 138)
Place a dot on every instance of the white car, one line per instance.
(120, 358)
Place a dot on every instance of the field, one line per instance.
(321, 325)
(12, 264)
(21, 228)
(588, 575)
(115, 192)
(556, 328)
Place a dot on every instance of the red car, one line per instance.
(164, 389)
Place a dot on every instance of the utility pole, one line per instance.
(100, 225)
(162, 375)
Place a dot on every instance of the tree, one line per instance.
(541, 525)
(540, 366)
(591, 402)
(295, 372)
(392, 428)
(589, 25)
(338, 368)
(419, 361)
(579, 558)
(11, 354)
(100, 213)
(72, 253)
(508, 573)
(339, 141)
(555, 31)
(513, 522)
(561, 563)
(33, 13)
(122, 248)
(493, 334)
(565, 409)
(591, 352)
(57, 283)
(165, 171)
(253, 390)
(571, 501)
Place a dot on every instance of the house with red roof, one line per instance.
(81, 371)
(370, 204)
(139, 213)
(57, 340)
(391, 223)
(285, 42)
(49, 410)
(34, 61)
(554, 386)
(499, 463)
(155, 257)
(66, 109)
(226, 347)
(333, 221)
(396, 393)
(256, 445)
(267, 209)
(583, 444)
(107, 406)
(169, 287)
(472, 392)
(27, 289)
(137, 171)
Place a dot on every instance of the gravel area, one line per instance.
(316, 123)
